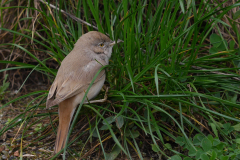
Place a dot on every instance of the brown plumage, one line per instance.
(90, 53)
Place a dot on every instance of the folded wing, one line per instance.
(72, 80)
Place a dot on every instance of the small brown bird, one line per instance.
(90, 53)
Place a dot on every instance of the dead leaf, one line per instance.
(2, 148)
(16, 154)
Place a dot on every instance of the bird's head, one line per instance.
(98, 43)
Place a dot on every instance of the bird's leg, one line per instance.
(100, 100)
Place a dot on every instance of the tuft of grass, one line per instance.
(175, 75)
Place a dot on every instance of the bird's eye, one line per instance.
(101, 45)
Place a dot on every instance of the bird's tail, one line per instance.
(65, 111)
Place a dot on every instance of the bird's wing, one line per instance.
(72, 81)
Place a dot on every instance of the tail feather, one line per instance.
(65, 111)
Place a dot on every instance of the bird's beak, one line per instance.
(118, 41)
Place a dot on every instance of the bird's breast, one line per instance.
(90, 66)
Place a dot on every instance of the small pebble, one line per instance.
(4, 157)
(12, 158)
